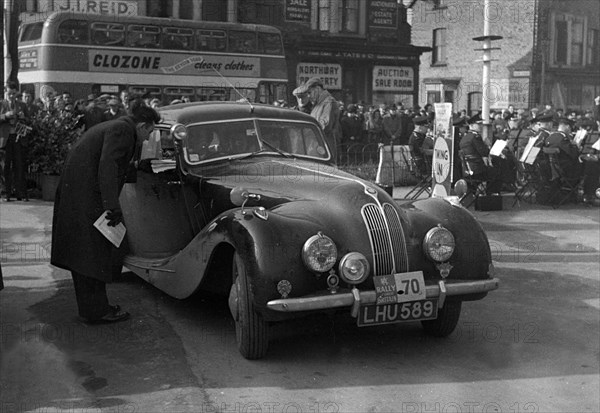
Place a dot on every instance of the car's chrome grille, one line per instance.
(387, 239)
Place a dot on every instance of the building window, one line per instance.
(324, 9)
(348, 9)
(474, 102)
(438, 54)
(577, 42)
(593, 57)
(568, 40)
(434, 96)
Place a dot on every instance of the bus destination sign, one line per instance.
(109, 7)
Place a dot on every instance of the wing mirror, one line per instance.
(239, 196)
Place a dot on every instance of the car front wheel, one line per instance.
(251, 330)
(446, 321)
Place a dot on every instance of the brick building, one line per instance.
(549, 52)
(361, 48)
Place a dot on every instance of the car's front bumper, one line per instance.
(355, 298)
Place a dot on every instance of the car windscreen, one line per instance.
(235, 139)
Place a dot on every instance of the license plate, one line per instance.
(399, 288)
(370, 315)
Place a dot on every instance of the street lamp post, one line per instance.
(487, 66)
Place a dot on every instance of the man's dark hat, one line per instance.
(545, 117)
(420, 120)
(564, 119)
(459, 121)
(475, 119)
(586, 123)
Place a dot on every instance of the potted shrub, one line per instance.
(52, 135)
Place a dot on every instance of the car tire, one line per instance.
(446, 321)
(251, 330)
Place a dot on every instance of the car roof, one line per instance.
(196, 112)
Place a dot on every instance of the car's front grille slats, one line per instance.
(387, 239)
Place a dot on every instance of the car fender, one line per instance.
(269, 248)
(472, 257)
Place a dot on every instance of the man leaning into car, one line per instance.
(92, 179)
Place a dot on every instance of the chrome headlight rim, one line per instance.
(308, 257)
(439, 244)
(343, 267)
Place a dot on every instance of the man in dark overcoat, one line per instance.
(12, 113)
(92, 179)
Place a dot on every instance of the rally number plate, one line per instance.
(370, 315)
(400, 288)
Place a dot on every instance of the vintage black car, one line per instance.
(245, 200)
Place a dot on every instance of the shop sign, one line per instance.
(329, 73)
(393, 79)
(111, 7)
(297, 11)
(383, 14)
(165, 64)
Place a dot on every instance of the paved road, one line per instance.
(532, 346)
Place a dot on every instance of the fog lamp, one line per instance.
(598, 193)
(354, 268)
(319, 253)
(439, 244)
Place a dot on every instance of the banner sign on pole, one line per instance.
(443, 151)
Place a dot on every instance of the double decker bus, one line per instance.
(162, 58)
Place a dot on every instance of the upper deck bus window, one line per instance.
(108, 34)
(143, 36)
(178, 38)
(242, 41)
(73, 32)
(32, 32)
(269, 43)
(212, 40)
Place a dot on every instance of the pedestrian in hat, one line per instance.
(303, 102)
(326, 111)
(92, 179)
(115, 110)
(415, 142)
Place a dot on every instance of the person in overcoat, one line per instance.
(92, 179)
(13, 112)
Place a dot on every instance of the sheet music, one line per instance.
(114, 234)
(533, 153)
(579, 136)
(498, 147)
(528, 148)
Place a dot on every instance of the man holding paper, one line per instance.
(93, 176)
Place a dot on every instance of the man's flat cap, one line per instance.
(312, 82)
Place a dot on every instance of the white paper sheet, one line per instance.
(113, 234)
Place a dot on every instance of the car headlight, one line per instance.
(179, 131)
(319, 253)
(354, 268)
(439, 244)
